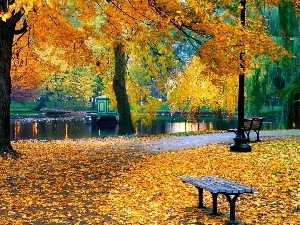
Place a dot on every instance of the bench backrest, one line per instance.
(247, 124)
(256, 124)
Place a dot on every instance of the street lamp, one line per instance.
(240, 141)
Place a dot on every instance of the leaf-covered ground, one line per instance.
(109, 181)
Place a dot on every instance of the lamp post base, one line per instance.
(240, 145)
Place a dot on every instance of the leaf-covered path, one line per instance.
(174, 143)
(110, 181)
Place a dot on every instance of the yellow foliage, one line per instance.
(139, 24)
(198, 87)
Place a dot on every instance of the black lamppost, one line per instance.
(240, 141)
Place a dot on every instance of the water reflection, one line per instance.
(58, 130)
(17, 129)
(34, 129)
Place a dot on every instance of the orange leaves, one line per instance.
(155, 183)
(50, 184)
(110, 181)
(51, 44)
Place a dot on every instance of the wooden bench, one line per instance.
(250, 123)
(216, 186)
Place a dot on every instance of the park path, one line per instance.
(176, 143)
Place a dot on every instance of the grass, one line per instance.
(26, 106)
(17, 108)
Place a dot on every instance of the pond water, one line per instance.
(57, 129)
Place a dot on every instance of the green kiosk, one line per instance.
(105, 113)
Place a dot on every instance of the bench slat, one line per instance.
(256, 124)
(218, 185)
(248, 123)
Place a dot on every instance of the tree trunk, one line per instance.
(7, 30)
(125, 121)
(289, 113)
(42, 103)
(219, 119)
(293, 113)
(297, 110)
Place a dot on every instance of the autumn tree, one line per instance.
(64, 42)
(125, 122)
(17, 17)
(134, 32)
(69, 89)
(213, 25)
(196, 88)
(200, 24)
(153, 65)
(216, 28)
(7, 32)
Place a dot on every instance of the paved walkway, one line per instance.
(180, 142)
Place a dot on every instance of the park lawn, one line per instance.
(115, 181)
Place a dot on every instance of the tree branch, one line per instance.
(23, 29)
(12, 21)
(181, 26)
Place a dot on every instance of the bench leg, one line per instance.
(232, 206)
(200, 199)
(248, 135)
(257, 135)
(214, 203)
